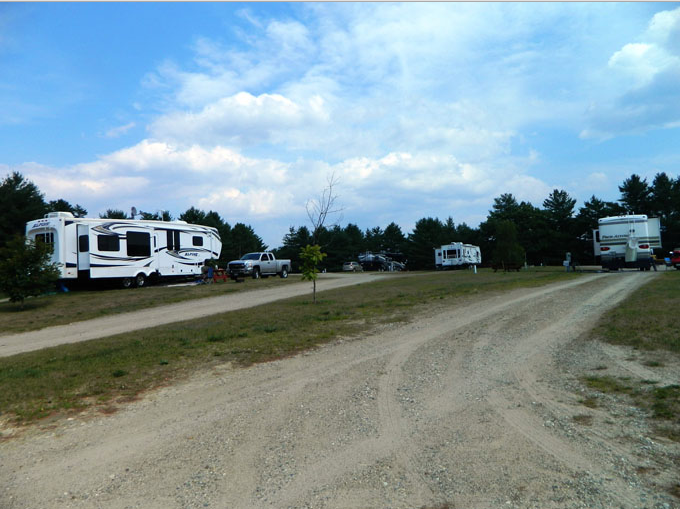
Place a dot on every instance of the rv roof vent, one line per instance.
(58, 214)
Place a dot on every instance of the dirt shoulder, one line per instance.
(187, 310)
(472, 406)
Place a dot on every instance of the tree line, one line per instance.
(535, 235)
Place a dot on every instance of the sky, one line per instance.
(416, 109)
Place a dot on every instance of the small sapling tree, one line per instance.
(25, 269)
(311, 256)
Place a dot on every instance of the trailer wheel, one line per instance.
(126, 282)
(284, 273)
(140, 280)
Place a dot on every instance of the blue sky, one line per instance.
(418, 109)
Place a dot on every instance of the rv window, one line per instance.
(47, 238)
(138, 244)
(108, 243)
(173, 240)
(83, 243)
(197, 241)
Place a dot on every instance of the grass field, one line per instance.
(102, 372)
(62, 308)
(649, 322)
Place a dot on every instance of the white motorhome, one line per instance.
(627, 241)
(456, 256)
(128, 250)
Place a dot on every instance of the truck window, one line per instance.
(108, 243)
(138, 244)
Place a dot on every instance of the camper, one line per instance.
(627, 241)
(126, 250)
(456, 256)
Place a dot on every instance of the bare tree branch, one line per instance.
(319, 210)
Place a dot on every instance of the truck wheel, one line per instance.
(140, 280)
(284, 273)
(256, 273)
(126, 282)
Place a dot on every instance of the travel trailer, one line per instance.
(627, 241)
(456, 256)
(127, 250)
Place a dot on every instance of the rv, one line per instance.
(627, 241)
(127, 250)
(456, 256)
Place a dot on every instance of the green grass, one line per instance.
(63, 308)
(648, 321)
(101, 372)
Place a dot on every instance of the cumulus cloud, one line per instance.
(241, 120)
(651, 69)
(420, 109)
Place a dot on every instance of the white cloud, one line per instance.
(650, 72)
(115, 132)
(242, 119)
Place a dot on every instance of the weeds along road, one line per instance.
(187, 310)
(470, 406)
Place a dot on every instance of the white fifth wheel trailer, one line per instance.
(627, 241)
(128, 250)
(456, 256)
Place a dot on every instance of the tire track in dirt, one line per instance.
(532, 356)
(331, 428)
(393, 439)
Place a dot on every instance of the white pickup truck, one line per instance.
(258, 265)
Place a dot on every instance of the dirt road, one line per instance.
(187, 310)
(473, 407)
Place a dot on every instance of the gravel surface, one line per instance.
(186, 310)
(472, 406)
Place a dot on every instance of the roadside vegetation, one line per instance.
(101, 373)
(63, 308)
(648, 322)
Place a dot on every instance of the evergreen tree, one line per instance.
(22, 202)
(373, 239)
(193, 216)
(61, 205)
(426, 236)
(244, 240)
(114, 214)
(635, 195)
(26, 270)
(393, 239)
(293, 242)
(507, 251)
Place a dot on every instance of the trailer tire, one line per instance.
(140, 280)
(284, 273)
(256, 273)
(126, 282)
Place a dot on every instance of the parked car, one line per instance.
(352, 267)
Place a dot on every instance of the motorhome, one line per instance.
(127, 250)
(456, 256)
(627, 241)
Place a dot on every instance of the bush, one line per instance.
(25, 269)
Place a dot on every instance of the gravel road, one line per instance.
(187, 310)
(470, 406)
